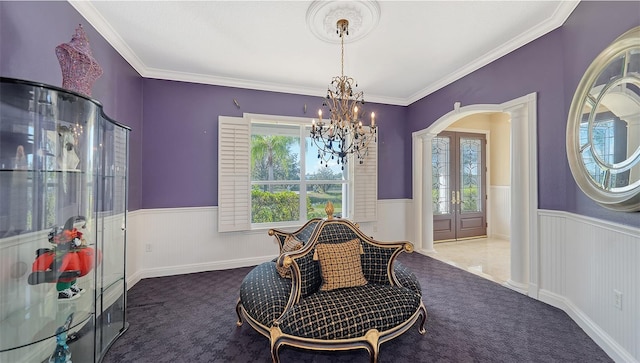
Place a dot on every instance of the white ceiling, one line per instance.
(416, 47)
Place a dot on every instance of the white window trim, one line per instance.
(234, 175)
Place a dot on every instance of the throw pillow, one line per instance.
(340, 265)
(290, 244)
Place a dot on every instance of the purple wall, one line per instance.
(180, 143)
(584, 38)
(29, 33)
(551, 66)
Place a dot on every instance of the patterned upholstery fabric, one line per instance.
(336, 233)
(374, 260)
(290, 244)
(350, 313)
(374, 263)
(264, 294)
(306, 232)
(280, 239)
(310, 269)
(406, 277)
(303, 234)
(310, 278)
(340, 265)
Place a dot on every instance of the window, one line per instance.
(270, 175)
(602, 144)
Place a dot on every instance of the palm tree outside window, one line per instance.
(286, 187)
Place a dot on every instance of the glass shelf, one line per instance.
(63, 196)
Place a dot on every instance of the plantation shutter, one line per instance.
(234, 184)
(365, 186)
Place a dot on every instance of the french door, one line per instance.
(459, 186)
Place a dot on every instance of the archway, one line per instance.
(524, 185)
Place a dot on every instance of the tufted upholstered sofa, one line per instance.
(295, 312)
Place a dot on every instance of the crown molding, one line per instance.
(255, 85)
(100, 24)
(564, 9)
(89, 12)
(231, 82)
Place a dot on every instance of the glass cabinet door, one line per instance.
(62, 218)
(111, 284)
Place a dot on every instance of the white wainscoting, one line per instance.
(176, 241)
(172, 241)
(582, 261)
(500, 211)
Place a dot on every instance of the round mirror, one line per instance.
(603, 130)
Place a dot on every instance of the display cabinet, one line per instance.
(63, 202)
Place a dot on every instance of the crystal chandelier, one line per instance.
(344, 133)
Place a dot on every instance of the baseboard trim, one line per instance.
(608, 344)
(134, 279)
(517, 287)
(534, 289)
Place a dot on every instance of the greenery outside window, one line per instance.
(285, 187)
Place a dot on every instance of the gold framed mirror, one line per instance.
(603, 129)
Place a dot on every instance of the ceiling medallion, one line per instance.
(322, 16)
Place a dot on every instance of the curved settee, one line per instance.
(299, 311)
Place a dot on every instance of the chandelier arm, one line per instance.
(323, 147)
(326, 153)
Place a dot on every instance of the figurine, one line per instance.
(67, 158)
(69, 259)
(62, 354)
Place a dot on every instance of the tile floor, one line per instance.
(486, 257)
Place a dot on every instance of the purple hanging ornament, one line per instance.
(79, 69)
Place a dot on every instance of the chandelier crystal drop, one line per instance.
(343, 134)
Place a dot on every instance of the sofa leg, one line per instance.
(372, 337)
(423, 320)
(275, 334)
(238, 308)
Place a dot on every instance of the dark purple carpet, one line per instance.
(191, 318)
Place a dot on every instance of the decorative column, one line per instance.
(417, 191)
(519, 199)
(427, 197)
(422, 200)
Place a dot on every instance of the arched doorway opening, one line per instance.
(524, 188)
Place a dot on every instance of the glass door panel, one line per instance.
(441, 173)
(470, 175)
(458, 185)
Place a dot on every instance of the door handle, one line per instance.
(458, 197)
(453, 197)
